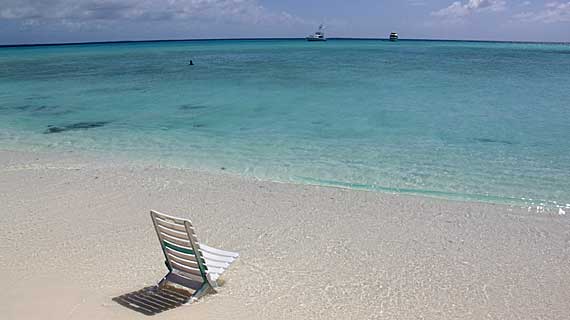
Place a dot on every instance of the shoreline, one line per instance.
(77, 233)
(537, 206)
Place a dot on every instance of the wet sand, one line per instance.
(76, 232)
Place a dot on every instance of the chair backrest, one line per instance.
(180, 246)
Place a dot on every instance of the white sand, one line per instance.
(75, 233)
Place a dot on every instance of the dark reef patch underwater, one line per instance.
(43, 110)
(487, 140)
(192, 107)
(75, 126)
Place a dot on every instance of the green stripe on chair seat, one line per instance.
(183, 250)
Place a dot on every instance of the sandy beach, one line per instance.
(76, 233)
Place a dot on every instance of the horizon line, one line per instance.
(263, 38)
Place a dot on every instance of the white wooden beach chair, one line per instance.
(191, 264)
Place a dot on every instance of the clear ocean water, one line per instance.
(460, 120)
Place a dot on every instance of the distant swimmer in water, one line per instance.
(191, 63)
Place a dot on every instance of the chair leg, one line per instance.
(204, 289)
(164, 280)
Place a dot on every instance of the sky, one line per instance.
(58, 21)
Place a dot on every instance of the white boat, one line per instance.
(393, 36)
(317, 36)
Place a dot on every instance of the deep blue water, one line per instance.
(463, 120)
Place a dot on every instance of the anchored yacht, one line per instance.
(393, 36)
(317, 36)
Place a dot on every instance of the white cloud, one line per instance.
(553, 12)
(458, 10)
(79, 12)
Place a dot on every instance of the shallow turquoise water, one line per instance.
(464, 120)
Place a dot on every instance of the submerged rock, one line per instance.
(486, 140)
(37, 97)
(42, 109)
(36, 108)
(192, 107)
(75, 126)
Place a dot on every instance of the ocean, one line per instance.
(476, 121)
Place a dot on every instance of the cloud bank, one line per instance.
(84, 12)
(458, 10)
(553, 12)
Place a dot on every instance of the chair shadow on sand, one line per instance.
(153, 300)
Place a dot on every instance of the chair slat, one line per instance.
(167, 217)
(189, 263)
(210, 256)
(174, 233)
(186, 269)
(183, 249)
(217, 264)
(214, 276)
(190, 281)
(177, 241)
(219, 251)
(171, 225)
(215, 270)
(180, 254)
